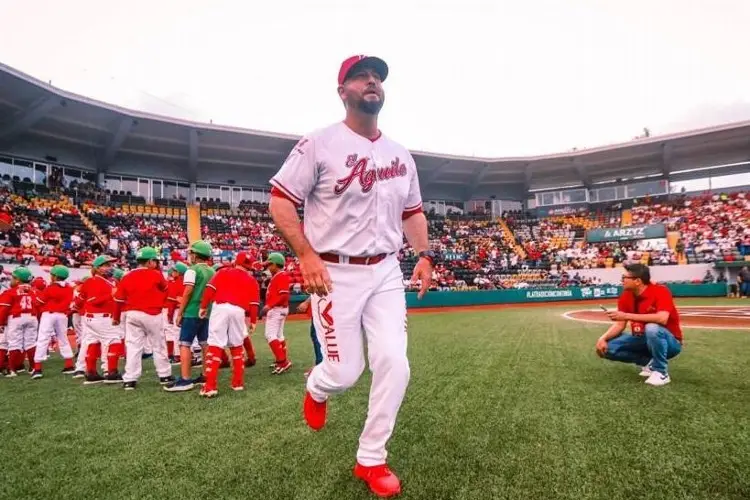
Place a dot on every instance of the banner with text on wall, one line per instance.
(626, 233)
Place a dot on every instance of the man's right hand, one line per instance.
(601, 347)
(302, 307)
(315, 276)
(178, 319)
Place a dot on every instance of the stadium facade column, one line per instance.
(100, 180)
(191, 194)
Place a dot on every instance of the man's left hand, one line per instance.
(617, 315)
(423, 273)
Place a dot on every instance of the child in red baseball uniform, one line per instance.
(235, 295)
(18, 313)
(143, 292)
(276, 310)
(54, 303)
(174, 294)
(101, 339)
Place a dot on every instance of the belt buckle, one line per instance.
(367, 261)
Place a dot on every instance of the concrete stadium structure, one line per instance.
(47, 126)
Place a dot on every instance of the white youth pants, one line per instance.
(141, 328)
(226, 326)
(21, 332)
(52, 325)
(275, 320)
(367, 298)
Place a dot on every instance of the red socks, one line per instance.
(3, 359)
(37, 366)
(170, 348)
(15, 360)
(69, 363)
(278, 351)
(113, 356)
(30, 356)
(249, 349)
(283, 346)
(93, 353)
(213, 360)
(238, 367)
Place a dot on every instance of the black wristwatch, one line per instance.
(429, 255)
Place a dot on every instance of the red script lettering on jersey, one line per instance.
(367, 177)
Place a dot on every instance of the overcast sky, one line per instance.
(468, 77)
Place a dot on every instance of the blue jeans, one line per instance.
(745, 289)
(655, 346)
(316, 344)
(193, 328)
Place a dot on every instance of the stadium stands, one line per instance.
(47, 230)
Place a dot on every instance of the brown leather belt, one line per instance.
(360, 261)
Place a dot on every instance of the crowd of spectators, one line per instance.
(477, 252)
(712, 227)
(46, 230)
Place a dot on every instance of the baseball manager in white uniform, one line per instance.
(360, 193)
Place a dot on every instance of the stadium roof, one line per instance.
(107, 138)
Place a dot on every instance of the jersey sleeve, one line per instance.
(297, 176)
(189, 277)
(284, 283)
(413, 203)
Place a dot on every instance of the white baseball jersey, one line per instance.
(355, 191)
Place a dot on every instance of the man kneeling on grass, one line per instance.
(654, 322)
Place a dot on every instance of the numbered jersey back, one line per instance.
(22, 300)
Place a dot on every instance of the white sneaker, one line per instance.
(657, 379)
(646, 371)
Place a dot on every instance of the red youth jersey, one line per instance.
(175, 289)
(95, 296)
(277, 294)
(18, 300)
(233, 286)
(142, 290)
(655, 298)
(56, 298)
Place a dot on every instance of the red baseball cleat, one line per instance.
(315, 413)
(380, 479)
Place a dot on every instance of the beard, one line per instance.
(367, 107)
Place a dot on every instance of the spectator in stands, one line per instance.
(655, 325)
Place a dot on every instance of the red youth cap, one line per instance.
(363, 61)
(243, 259)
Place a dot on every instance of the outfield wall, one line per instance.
(495, 297)
(492, 297)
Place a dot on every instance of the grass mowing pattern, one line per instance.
(502, 404)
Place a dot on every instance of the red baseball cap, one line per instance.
(360, 61)
(243, 259)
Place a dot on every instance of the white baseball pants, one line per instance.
(367, 298)
(97, 327)
(141, 328)
(275, 320)
(171, 332)
(3, 339)
(77, 326)
(21, 332)
(226, 326)
(52, 325)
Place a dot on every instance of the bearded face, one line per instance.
(363, 91)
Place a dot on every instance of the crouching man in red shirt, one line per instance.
(655, 324)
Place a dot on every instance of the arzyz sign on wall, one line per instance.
(626, 233)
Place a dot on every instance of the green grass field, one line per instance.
(502, 404)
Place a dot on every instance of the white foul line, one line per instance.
(566, 315)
